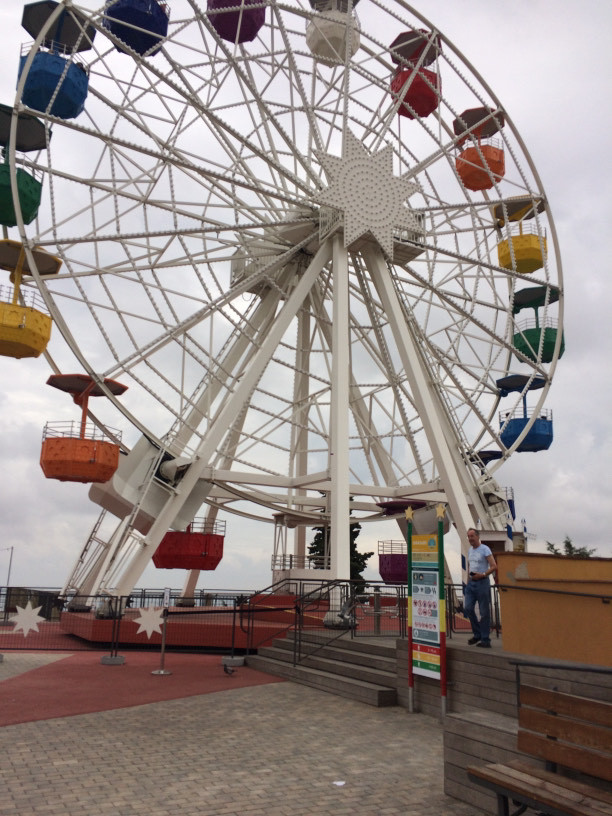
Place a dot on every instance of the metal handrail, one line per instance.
(392, 547)
(525, 413)
(72, 429)
(452, 609)
(202, 525)
(533, 323)
(29, 299)
(290, 561)
(603, 597)
(537, 664)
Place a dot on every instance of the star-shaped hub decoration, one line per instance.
(27, 619)
(371, 197)
(150, 620)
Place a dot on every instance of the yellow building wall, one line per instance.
(550, 624)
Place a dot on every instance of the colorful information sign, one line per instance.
(425, 551)
(426, 660)
(426, 605)
(426, 621)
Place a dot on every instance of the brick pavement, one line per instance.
(274, 750)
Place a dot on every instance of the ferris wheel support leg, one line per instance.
(82, 578)
(189, 587)
(339, 442)
(374, 451)
(432, 414)
(299, 442)
(232, 408)
(231, 362)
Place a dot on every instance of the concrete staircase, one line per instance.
(358, 669)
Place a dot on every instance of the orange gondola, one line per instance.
(482, 164)
(82, 454)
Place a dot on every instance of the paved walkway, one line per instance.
(273, 749)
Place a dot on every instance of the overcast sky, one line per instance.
(549, 61)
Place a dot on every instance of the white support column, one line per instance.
(232, 408)
(299, 442)
(339, 442)
(232, 362)
(431, 413)
(358, 408)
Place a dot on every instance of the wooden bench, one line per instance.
(564, 730)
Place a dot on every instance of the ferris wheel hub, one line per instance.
(371, 198)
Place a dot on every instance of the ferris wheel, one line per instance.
(304, 237)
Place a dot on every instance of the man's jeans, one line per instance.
(478, 592)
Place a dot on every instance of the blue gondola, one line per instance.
(540, 435)
(52, 76)
(47, 75)
(140, 24)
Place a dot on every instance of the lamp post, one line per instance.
(8, 579)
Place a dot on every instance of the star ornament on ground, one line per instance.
(150, 620)
(27, 619)
(363, 186)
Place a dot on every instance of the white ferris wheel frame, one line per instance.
(290, 257)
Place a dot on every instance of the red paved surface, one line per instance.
(48, 637)
(80, 684)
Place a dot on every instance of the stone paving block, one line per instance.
(272, 750)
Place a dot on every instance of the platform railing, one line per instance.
(305, 609)
(202, 525)
(288, 561)
(74, 429)
(456, 619)
(27, 298)
(42, 619)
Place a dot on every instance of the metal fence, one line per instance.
(456, 620)
(214, 620)
(42, 619)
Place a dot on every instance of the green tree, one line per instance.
(317, 549)
(570, 550)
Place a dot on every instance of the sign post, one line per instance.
(440, 511)
(409, 513)
(426, 600)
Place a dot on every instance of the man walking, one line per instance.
(481, 564)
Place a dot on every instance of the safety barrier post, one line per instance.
(116, 607)
(162, 656)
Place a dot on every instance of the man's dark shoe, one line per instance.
(473, 640)
(484, 644)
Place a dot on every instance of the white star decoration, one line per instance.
(27, 619)
(150, 620)
(372, 198)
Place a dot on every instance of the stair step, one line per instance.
(359, 657)
(367, 646)
(334, 665)
(366, 692)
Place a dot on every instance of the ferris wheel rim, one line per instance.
(137, 423)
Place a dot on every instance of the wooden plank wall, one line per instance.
(485, 680)
(476, 738)
(476, 679)
(481, 723)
